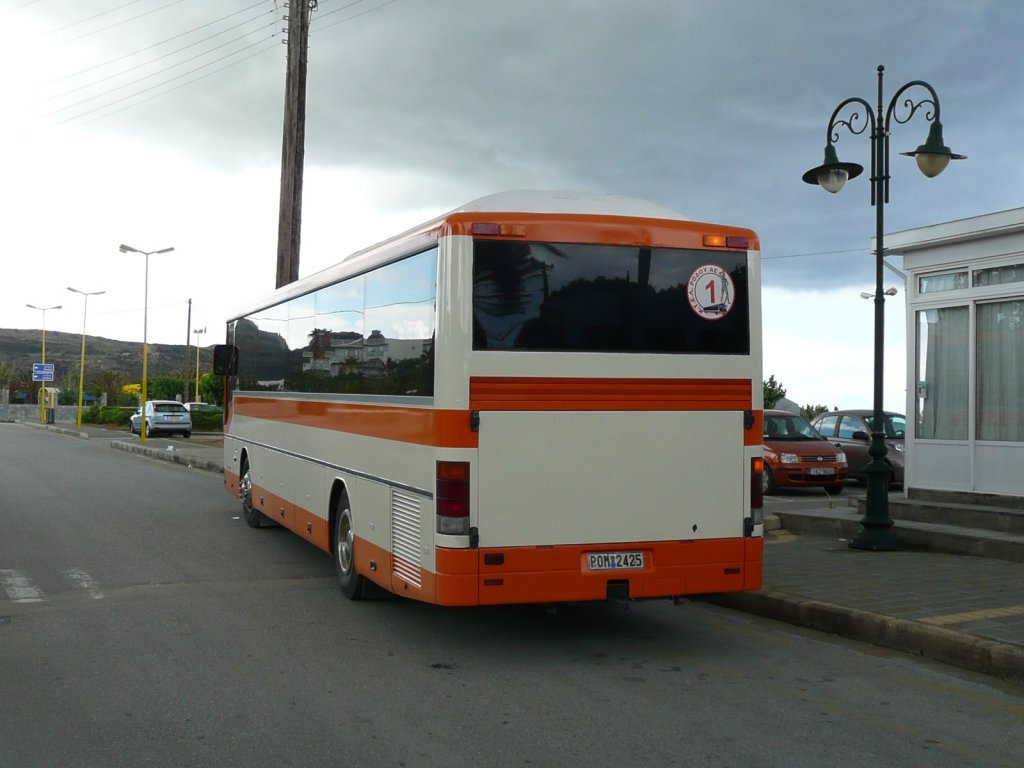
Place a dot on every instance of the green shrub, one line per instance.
(207, 421)
(108, 415)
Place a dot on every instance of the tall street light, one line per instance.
(145, 322)
(932, 158)
(81, 369)
(197, 331)
(42, 384)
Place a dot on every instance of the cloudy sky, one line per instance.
(157, 123)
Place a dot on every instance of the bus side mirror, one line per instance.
(225, 360)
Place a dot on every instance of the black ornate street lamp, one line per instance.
(932, 158)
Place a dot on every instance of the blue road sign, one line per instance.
(42, 371)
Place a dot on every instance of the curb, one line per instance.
(51, 428)
(977, 654)
(178, 457)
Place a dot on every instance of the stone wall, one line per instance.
(19, 412)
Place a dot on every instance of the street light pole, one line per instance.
(81, 369)
(932, 158)
(42, 384)
(145, 322)
(197, 331)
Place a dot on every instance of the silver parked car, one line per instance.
(162, 416)
(850, 431)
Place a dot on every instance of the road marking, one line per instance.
(19, 587)
(963, 618)
(781, 536)
(84, 581)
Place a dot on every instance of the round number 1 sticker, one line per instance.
(711, 292)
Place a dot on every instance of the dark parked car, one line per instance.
(168, 416)
(850, 431)
(796, 456)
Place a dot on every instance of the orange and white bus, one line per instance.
(535, 398)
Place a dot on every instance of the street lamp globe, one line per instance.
(933, 156)
(832, 175)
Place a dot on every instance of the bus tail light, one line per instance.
(727, 241)
(452, 497)
(494, 229)
(756, 487)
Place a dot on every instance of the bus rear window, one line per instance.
(567, 297)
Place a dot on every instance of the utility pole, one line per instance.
(188, 338)
(293, 143)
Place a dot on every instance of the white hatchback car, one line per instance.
(164, 416)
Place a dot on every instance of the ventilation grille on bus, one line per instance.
(405, 536)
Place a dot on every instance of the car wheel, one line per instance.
(131, 427)
(252, 515)
(344, 551)
(835, 490)
(187, 433)
(149, 430)
(767, 481)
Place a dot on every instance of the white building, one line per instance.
(965, 354)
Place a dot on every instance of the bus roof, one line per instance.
(550, 202)
(584, 203)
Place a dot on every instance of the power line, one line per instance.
(322, 27)
(107, 106)
(161, 71)
(815, 253)
(90, 18)
(169, 90)
(339, 10)
(119, 23)
(165, 41)
(19, 7)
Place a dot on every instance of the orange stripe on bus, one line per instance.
(421, 426)
(598, 229)
(509, 393)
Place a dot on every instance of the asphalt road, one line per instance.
(142, 623)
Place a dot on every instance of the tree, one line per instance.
(166, 386)
(810, 411)
(108, 383)
(68, 386)
(211, 389)
(7, 373)
(773, 392)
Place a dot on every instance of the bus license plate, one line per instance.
(822, 470)
(615, 561)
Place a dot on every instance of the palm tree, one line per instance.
(7, 372)
(109, 382)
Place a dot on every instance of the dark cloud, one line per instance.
(712, 107)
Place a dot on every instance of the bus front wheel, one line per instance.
(252, 515)
(344, 551)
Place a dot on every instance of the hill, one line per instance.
(22, 348)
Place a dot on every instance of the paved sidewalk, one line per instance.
(963, 610)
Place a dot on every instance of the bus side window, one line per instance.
(225, 360)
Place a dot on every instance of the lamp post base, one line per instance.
(875, 539)
(876, 533)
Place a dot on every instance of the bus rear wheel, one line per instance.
(345, 551)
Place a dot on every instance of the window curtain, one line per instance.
(942, 372)
(1000, 376)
